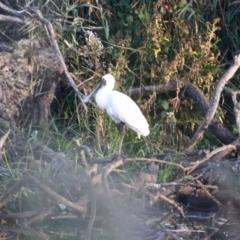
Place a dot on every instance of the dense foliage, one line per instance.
(142, 43)
(145, 43)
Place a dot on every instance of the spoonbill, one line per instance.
(121, 108)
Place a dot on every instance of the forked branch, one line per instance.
(215, 100)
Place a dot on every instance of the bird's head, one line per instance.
(107, 81)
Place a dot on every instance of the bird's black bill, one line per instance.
(88, 97)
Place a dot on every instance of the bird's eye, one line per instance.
(104, 82)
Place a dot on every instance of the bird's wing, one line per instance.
(124, 109)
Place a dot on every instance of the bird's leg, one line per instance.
(122, 132)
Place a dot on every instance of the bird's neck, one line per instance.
(102, 97)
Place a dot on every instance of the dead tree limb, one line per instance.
(117, 163)
(47, 23)
(208, 157)
(215, 100)
(26, 230)
(224, 153)
(7, 9)
(236, 106)
(41, 215)
(171, 85)
(22, 215)
(105, 174)
(193, 92)
(3, 140)
(50, 29)
(172, 203)
(32, 180)
(209, 194)
(4, 18)
(215, 127)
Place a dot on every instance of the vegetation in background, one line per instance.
(146, 43)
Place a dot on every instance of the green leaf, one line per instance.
(165, 104)
(129, 19)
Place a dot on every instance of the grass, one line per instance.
(102, 139)
(145, 49)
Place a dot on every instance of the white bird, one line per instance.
(121, 108)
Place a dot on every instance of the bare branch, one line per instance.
(172, 85)
(215, 100)
(50, 29)
(40, 215)
(3, 140)
(4, 18)
(32, 180)
(19, 14)
(172, 203)
(209, 194)
(208, 157)
(193, 92)
(236, 106)
(48, 24)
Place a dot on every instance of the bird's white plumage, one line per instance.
(120, 107)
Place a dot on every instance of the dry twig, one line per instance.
(20, 14)
(209, 195)
(172, 203)
(32, 180)
(208, 157)
(43, 213)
